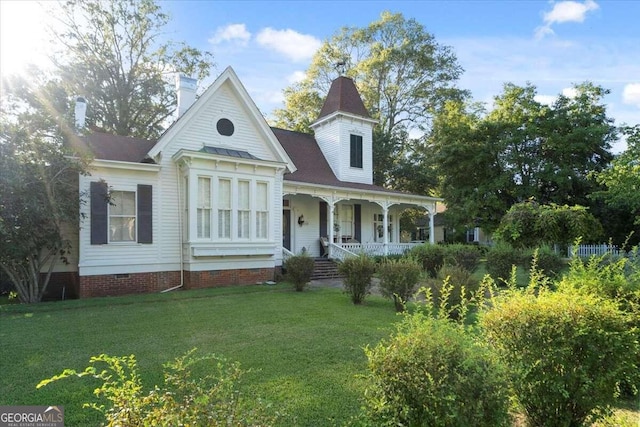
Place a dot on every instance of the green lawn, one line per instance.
(304, 350)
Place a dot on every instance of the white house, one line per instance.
(222, 198)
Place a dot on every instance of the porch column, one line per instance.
(385, 231)
(432, 228)
(331, 210)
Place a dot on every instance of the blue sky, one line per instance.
(551, 44)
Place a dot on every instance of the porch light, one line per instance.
(301, 220)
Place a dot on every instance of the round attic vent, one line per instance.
(225, 127)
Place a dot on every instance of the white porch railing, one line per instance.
(286, 254)
(377, 249)
(339, 252)
(585, 251)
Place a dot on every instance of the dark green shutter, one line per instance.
(356, 151)
(145, 213)
(357, 219)
(99, 212)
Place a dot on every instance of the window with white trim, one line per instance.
(224, 208)
(203, 209)
(244, 209)
(262, 210)
(122, 216)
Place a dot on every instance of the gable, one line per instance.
(224, 117)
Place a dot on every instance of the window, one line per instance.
(225, 127)
(119, 215)
(262, 212)
(224, 208)
(356, 151)
(203, 210)
(122, 216)
(346, 220)
(244, 209)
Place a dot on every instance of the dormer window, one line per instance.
(356, 151)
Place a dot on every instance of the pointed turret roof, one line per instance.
(343, 96)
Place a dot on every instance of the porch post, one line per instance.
(331, 210)
(432, 228)
(385, 226)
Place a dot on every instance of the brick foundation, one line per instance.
(141, 283)
(123, 284)
(218, 278)
(62, 285)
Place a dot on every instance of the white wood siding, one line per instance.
(334, 139)
(126, 257)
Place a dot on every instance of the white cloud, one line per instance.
(296, 76)
(570, 92)
(569, 11)
(565, 11)
(631, 94)
(231, 33)
(545, 99)
(294, 45)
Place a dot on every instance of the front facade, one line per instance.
(221, 198)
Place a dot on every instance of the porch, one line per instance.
(340, 251)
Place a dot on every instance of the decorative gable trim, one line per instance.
(228, 75)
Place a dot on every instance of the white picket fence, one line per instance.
(585, 251)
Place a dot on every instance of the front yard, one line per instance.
(303, 349)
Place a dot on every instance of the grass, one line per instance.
(304, 350)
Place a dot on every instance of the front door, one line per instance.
(286, 229)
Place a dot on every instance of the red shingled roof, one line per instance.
(105, 146)
(343, 96)
(312, 166)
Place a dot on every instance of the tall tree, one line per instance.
(402, 73)
(621, 183)
(115, 54)
(38, 198)
(520, 150)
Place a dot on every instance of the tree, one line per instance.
(530, 224)
(403, 76)
(113, 53)
(622, 178)
(521, 149)
(38, 198)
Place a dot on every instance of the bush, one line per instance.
(457, 279)
(299, 270)
(431, 373)
(549, 263)
(211, 399)
(465, 256)
(430, 256)
(500, 260)
(358, 272)
(399, 279)
(566, 352)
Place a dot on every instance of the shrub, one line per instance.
(548, 262)
(500, 260)
(299, 270)
(566, 353)
(399, 279)
(358, 272)
(430, 256)
(211, 399)
(465, 256)
(431, 373)
(457, 279)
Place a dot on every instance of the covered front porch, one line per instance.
(339, 222)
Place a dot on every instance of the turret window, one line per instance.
(356, 151)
